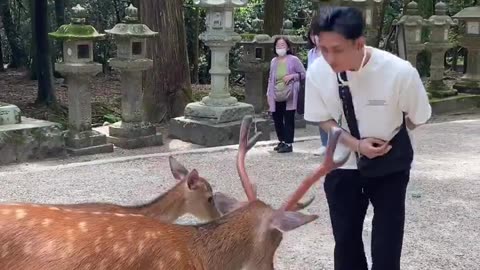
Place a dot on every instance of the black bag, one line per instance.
(301, 96)
(400, 156)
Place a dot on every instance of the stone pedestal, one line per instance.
(31, 139)
(80, 139)
(436, 87)
(254, 65)
(254, 92)
(470, 82)
(219, 106)
(211, 134)
(133, 131)
(23, 139)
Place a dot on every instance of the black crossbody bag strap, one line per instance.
(348, 109)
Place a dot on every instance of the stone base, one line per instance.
(458, 103)
(31, 140)
(134, 135)
(467, 86)
(132, 143)
(438, 89)
(218, 114)
(87, 143)
(209, 134)
(92, 150)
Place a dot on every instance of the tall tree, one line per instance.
(274, 12)
(2, 68)
(167, 87)
(44, 70)
(19, 56)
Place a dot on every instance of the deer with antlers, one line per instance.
(39, 237)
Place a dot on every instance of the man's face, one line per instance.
(342, 54)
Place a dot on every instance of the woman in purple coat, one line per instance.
(286, 71)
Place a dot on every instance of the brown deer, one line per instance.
(191, 195)
(41, 238)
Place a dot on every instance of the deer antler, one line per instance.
(327, 165)
(244, 146)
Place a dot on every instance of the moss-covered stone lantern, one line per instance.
(411, 33)
(78, 67)
(440, 24)
(131, 37)
(470, 39)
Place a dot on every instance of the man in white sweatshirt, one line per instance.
(376, 97)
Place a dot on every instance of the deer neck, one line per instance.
(230, 242)
(168, 207)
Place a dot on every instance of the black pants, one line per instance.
(284, 122)
(348, 195)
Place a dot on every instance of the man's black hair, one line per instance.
(346, 21)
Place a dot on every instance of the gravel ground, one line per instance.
(443, 217)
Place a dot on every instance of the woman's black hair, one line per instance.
(289, 44)
(310, 44)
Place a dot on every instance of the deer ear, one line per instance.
(226, 204)
(178, 170)
(193, 180)
(285, 221)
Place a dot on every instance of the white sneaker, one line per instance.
(320, 152)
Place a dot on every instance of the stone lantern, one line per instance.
(470, 17)
(78, 67)
(254, 64)
(131, 37)
(373, 18)
(216, 119)
(410, 27)
(440, 24)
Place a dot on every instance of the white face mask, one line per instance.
(281, 52)
(363, 59)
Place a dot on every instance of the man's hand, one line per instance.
(371, 147)
(288, 78)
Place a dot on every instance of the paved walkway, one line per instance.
(442, 230)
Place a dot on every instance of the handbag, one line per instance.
(400, 156)
(284, 92)
(301, 96)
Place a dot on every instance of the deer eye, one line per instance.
(210, 199)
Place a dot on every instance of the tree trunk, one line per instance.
(273, 23)
(196, 49)
(167, 87)
(19, 56)
(274, 11)
(46, 94)
(2, 68)
(33, 44)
